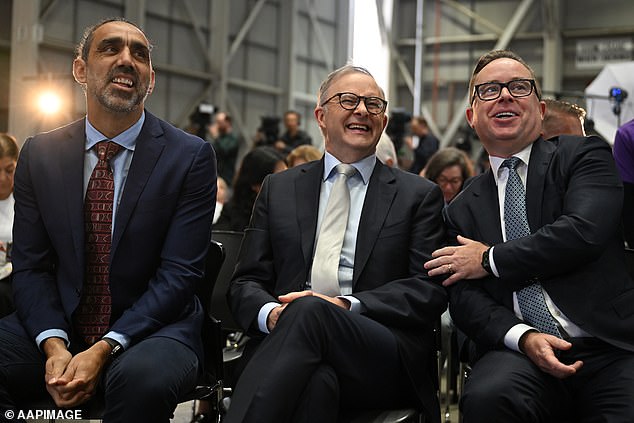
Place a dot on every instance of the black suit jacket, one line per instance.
(573, 200)
(400, 226)
(161, 234)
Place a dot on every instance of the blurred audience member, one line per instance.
(424, 143)
(258, 163)
(386, 152)
(449, 168)
(624, 158)
(293, 136)
(303, 154)
(222, 196)
(8, 159)
(226, 143)
(562, 118)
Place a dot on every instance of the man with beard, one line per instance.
(112, 223)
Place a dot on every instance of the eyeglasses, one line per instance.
(350, 101)
(441, 180)
(492, 90)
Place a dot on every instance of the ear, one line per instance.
(542, 108)
(79, 70)
(319, 116)
(152, 82)
(469, 114)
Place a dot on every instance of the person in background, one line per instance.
(112, 225)
(536, 273)
(293, 136)
(303, 154)
(562, 118)
(624, 158)
(449, 168)
(386, 152)
(328, 283)
(226, 144)
(423, 143)
(8, 160)
(258, 163)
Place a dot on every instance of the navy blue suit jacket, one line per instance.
(573, 202)
(400, 226)
(161, 234)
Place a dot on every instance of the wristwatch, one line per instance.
(485, 261)
(116, 348)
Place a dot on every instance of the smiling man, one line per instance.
(335, 296)
(538, 280)
(112, 223)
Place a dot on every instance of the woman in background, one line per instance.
(8, 159)
(449, 168)
(258, 163)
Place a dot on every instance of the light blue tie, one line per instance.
(531, 298)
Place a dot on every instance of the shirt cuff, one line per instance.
(355, 304)
(263, 315)
(124, 340)
(51, 333)
(494, 268)
(512, 337)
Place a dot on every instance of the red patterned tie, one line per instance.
(92, 317)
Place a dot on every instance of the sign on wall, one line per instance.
(596, 53)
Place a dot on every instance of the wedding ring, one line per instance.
(450, 268)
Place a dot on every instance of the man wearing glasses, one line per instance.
(343, 323)
(537, 280)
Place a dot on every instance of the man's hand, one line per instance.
(541, 347)
(286, 299)
(459, 262)
(79, 379)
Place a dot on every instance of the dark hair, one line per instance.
(494, 55)
(83, 47)
(447, 157)
(293, 112)
(8, 146)
(258, 163)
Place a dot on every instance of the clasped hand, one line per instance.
(286, 299)
(72, 380)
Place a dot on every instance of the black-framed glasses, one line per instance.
(350, 101)
(492, 90)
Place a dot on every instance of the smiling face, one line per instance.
(117, 74)
(507, 124)
(351, 135)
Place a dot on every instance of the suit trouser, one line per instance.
(318, 359)
(505, 386)
(142, 385)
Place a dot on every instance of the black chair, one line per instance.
(211, 386)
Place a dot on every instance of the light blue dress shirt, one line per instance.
(358, 186)
(121, 167)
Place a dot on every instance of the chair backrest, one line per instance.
(231, 241)
(629, 261)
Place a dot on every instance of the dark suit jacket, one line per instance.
(161, 234)
(573, 200)
(400, 226)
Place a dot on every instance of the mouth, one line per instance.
(358, 127)
(506, 115)
(126, 82)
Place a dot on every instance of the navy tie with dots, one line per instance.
(92, 317)
(531, 298)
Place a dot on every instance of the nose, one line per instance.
(125, 56)
(361, 107)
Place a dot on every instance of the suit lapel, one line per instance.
(378, 201)
(541, 154)
(71, 152)
(307, 203)
(148, 149)
(485, 194)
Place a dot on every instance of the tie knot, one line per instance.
(512, 163)
(106, 150)
(345, 169)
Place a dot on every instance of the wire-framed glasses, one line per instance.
(350, 101)
(492, 90)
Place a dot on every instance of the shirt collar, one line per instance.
(126, 139)
(364, 167)
(496, 162)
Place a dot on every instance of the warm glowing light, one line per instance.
(49, 103)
